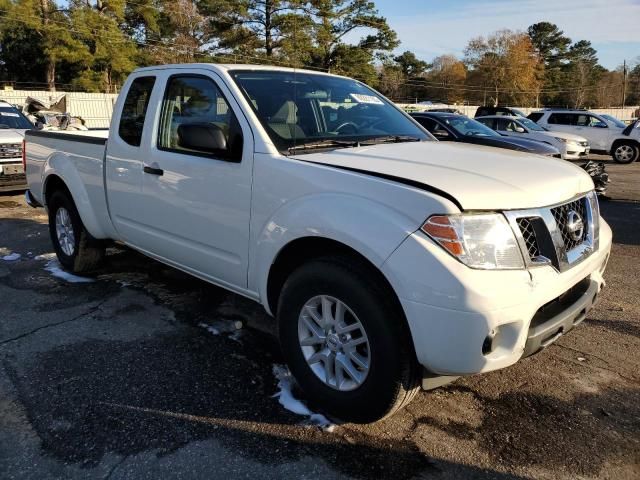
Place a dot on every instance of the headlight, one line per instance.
(483, 241)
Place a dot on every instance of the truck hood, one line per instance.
(566, 136)
(478, 178)
(9, 135)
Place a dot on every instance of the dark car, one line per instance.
(458, 128)
(509, 111)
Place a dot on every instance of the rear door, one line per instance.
(195, 203)
(125, 151)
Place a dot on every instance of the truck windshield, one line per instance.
(12, 118)
(300, 109)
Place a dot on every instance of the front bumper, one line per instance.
(466, 321)
(12, 177)
(575, 152)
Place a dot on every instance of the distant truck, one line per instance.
(390, 260)
(13, 124)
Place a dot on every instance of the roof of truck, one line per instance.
(234, 66)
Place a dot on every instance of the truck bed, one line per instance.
(78, 158)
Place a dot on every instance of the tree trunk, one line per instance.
(51, 63)
(268, 41)
(51, 74)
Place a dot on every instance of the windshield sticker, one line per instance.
(9, 114)
(371, 99)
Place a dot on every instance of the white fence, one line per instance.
(94, 108)
(624, 114)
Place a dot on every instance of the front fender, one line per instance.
(371, 228)
(80, 179)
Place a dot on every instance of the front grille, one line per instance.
(12, 150)
(561, 216)
(529, 236)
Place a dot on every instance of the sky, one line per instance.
(435, 27)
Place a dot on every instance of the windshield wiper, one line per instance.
(324, 144)
(334, 143)
(390, 139)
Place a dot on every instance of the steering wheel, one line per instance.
(353, 126)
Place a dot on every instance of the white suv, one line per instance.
(605, 133)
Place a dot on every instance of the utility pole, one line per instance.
(624, 83)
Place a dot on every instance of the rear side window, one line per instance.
(535, 116)
(563, 119)
(135, 109)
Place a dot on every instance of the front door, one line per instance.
(196, 199)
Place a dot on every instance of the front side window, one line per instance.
(505, 125)
(195, 118)
(135, 109)
(301, 110)
(596, 122)
(590, 121)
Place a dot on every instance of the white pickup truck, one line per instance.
(390, 260)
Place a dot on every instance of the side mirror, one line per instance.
(520, 130)
(441, 134)
(205, 137)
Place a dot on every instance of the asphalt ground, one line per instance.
(119, 378)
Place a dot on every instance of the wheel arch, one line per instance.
(304, 249)
(60, 181)
(619, 141)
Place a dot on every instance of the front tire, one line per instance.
(625, 152)
(76, 249)
(345, 341)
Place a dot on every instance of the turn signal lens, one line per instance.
(483, 241)
(440, 229)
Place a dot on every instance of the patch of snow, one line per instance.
(12, 257)
(45, 256)
(291, 403)
(56, 270)
(209, 328)
(218, 327)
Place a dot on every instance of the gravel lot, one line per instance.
(118, 378)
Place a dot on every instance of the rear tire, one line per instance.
(76, 249)
(625, 152)
(385, 363)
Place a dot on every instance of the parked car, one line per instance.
(458, 128)
(572, 147)
(389, 259)
(604, 133)
(13, 124)
(508, 111)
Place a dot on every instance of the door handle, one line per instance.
(152, 170)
